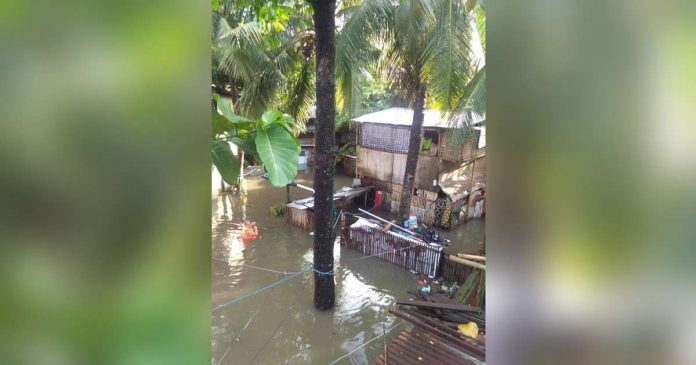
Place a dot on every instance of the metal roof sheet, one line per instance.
(404, 116)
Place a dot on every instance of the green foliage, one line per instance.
(247, 144)
(347, 149)
(376, 95)
(279, 150)
(228, 120)
(269, 138)
(427, 144)
(278, 209)
(472, 288)
(435, 42)
(227, 164)
(262, 52)
(342, 122)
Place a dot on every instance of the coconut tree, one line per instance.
(324, 24)
(272, 67)
(427, 51)
(266, 63)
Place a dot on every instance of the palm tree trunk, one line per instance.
(324, 25)
(414, 145)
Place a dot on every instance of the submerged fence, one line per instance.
(407, 252)
(454, 271)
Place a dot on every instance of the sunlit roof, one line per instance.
(404, 116)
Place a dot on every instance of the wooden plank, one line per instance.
(452, 332)
(432, 305)
(435, 323)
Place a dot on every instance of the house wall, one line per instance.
(375, 164)
(390, 167)
(426, 171)
(464, 151)
(384, 137)
(384, 169)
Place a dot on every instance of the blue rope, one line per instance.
(260, 268)
(269, 286)
(324, 273)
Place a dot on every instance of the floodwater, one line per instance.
(280, 325)
(468, 237)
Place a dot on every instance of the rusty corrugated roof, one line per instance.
(418, 346)
(430, 341)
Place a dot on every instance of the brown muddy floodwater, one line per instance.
(280, 325)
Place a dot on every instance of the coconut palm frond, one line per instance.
(355, 50)
(367, 21)
(259, 94)
(480, 15)
(471, 106)
(449, 62)
(349, 80)
(250, 32)
(301, 93)
(240, 54)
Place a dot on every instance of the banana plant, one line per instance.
(271, 138)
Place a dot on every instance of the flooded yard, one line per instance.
(280, 325)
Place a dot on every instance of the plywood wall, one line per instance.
(375, 164)
(390, 167)
(426, 172)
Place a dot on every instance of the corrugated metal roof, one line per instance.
(404, 116)
(418, 346)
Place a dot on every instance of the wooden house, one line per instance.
(447, 171)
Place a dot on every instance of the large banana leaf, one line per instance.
(225, 161)
(279, 152)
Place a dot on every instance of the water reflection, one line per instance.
(280, 325)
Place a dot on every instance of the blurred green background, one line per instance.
(104, 189)
(592, 149)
